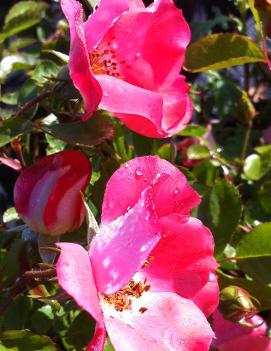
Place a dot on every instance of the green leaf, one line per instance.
(62, 57)
(217, 51)
(93, 3)
(256, 166)
(9, 98)
(108, 346)
(263, 149)
(42, 319)
(256, 15)
(198, 152)
(93, 132)
(254, 253)
(11, 128)
(258, 290)
(193, 130)
(21, 16)
(22, 340)
(20, 43)
(80, 331)
(17, 62)
(10, 215)
(144, 146)
(164, 151)
(225, 212)
(46, 69)
(264, 196)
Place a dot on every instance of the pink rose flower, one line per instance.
(149, 267)
(126, 59)
(235, 337)
(47, 194)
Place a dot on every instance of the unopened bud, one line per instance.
(236, 304)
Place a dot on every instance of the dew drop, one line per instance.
(139, 171)
(176, 191)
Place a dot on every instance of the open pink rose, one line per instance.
(235, 337)
(149, 267)
(47, 194)
(126, 59)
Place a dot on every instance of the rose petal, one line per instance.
(122, 246)
(98, 340)
(33, 189)
(183, 258)
(207, 298)
(177, 108)
(121, 97)
(140, 39)
(247, 343)
(226, 330)
(171, 191)
(65, 209)
(168, 323)
(102, 19)
(75, 276)
(80, 72)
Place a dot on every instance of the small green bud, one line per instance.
(236, 304)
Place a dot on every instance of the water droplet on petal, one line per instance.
(176, 191)
(139, 171)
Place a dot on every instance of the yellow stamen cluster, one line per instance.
(103, 61)
(122, 299)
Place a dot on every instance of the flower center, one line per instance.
(103, 60)
(122, 299)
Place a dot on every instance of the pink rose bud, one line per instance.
(47, 195)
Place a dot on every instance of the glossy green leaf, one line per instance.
(254, 253)
(21, 16)
(10, 215)
(256, 166)
(11, 128)
(94, 131)
(217, 51)
(44, 71)
(193, 130)
(198, 152)
(24, 340)
(225, 211)
(164, 151)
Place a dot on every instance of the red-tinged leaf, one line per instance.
(89, 134)
(217, 51)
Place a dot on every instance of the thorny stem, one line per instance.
(25, 282)
(245, 143)
(17, 147)
(37, 99)
(32, 103)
